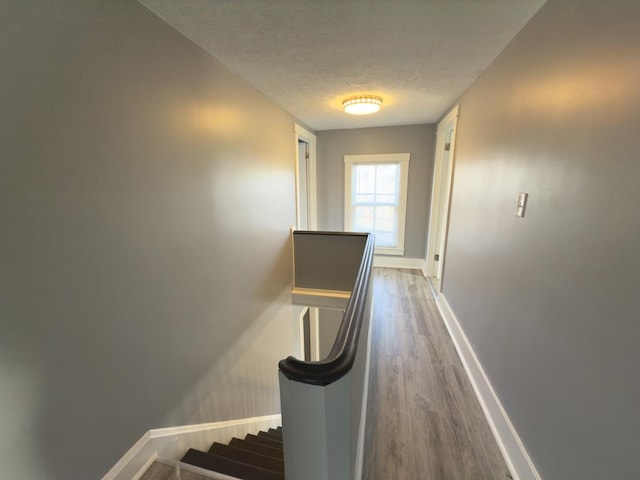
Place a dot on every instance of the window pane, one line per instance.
(387, 178)
(365, 198)
(363, 219)
(364, 179)
(385, 239)
(385, 219)
(375, 200)
(385, 198)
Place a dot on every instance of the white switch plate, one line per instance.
(521, 203)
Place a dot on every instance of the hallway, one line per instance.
(423, 420)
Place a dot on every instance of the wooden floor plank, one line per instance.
(424, 421)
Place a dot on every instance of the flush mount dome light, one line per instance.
(362, 105)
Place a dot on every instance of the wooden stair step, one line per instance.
(270, 436)
(276, 431)
(247, 456)
(230, 467)
(257, 447)
(264, 441)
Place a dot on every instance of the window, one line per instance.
(376, 198)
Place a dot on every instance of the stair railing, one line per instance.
(324, 402)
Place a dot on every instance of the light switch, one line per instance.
(521, 203)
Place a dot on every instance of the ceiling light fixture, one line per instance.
(362, 104)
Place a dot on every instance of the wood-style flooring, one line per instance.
(424, 421)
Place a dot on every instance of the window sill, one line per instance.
(389, 251)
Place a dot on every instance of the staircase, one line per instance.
(257, 457)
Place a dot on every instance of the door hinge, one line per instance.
(436, 257)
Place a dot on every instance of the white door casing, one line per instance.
(440, 197)
(309, 218)
(301, 134)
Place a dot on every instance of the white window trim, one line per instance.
(403, 160)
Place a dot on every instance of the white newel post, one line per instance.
(317, 429)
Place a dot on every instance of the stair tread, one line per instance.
(257, 447)
(275, 431)
(271, 436)
(230, 467)
(265, 441)
(247, 455)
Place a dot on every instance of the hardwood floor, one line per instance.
(423, 420)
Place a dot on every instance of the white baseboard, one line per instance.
(173, 442)
(516, 457)
(399, 262)
(424, 269)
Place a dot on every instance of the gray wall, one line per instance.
(146, 196)
(550, 302)
(333, 145)
(327, 262)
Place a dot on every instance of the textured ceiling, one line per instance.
(307, 56)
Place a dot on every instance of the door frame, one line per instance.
(435, 269)
(302, 134)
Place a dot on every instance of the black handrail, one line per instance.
(343, 353)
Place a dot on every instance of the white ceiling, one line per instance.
(308, 55)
